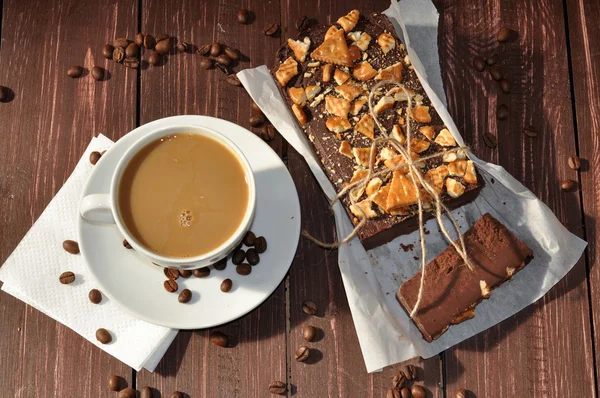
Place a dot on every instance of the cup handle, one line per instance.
(97, 208)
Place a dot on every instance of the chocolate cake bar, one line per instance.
(325, 76)
(451, 290)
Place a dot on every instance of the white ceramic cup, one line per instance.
(104, 208)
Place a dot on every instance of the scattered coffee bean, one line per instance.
(131, 62)
(204, 50)
(256, 108)
(207, 63)
(496, 73)
(146, 392)
(479, 63)
(176, 394)
(97, 73)
(462, 393)
(186, 273)
(309, 307)
(75, 71)
(505, 86)
(224, 60)
(252, 257)
(118, 54)
(107, 51)
(221, 264)
(302, 23)
(216, 49)
(405, 393)
(127, 393)
(226, 285)
(243, 16)
(171, 273)
(503, 34)
(410, 372)
(162, 37)
(309, 333)
(121, 42)
(568, 185)
(185, 296)
(114, 383)
(95, 157)
(418, 392)
(238, 257)
(219, 338)
(258, 119)
(267, 133)
(502, 112)
(277, 387)
(234, 80)
(126, 244)
(95, 296)
(249, 238)
(149, 42)
(202, 272)
(182, 46)
(243, 269)
(66, 277)
(132, 50)
(302, 353)
(399, 379)
(492, 60)
(3, 93)
(232, 53)
(392, 393)
(163, 46)
(154, 58)
(530, 131)
(574, 162)
(71, 246)
(490, 140)
(170, 285)
(103, 336)
(270, 29)
(139, 39)
(260, 245)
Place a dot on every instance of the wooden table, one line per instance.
(547, 350)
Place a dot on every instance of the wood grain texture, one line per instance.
(540, 349)
(44, 131)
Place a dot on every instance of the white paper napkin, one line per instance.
(32, 270)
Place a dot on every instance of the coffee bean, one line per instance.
(114, 383)
(132, 62)
(207, 63)
(496, 73)
(309, 333)
(127, 393)
(405, 393)
(234, 80)
(238, 257)
(185, 296)
(118, 54)
(71, 246)
(462, 393)
(121, 42)
(399, 379)
(309, 307)
(256, 108)
(176, 394)
(249, 238)
(418, 392)
(568, 185)
(204, 50)
(492, 60)
(95, 157)
(270, 29)
(392, 393)
(95, 296)
(132, 50)
(490, 140)
(277, 387)
(479, 63)
(154, 58)
(146, 392)
(224, 59)
(202, 272)
(574, 162)
(260, 245)
(503, 34)
(103, 336)
(243, 16)
(66, 277)
(505, 86)
(267, 133)
(75, 71)
(223, 69)
(4, 93)
(97, 73)
(530, 131)
(182, 46)
(243, 269)
(252, 257)
(185, 273)
(171, 273)
(216, 49)
(232, 53)
(170, 285)
(107, 51)
(258, 119)
(410, 372)
(226, 285)
(219, 338)
(162, 37)
(302, 23)
(221, 264)
(149, 42)
(302, 353)
(139, 39)
(163, 46)
(126, 244)
(502, 112)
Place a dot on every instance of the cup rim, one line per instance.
(235, 237)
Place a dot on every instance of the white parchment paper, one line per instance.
(371, 279)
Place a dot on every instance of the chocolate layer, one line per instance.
(451, 291)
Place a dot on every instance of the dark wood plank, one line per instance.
(527, 354)
(44, 131)
(584, 34)
(339, 369)
(193, 365)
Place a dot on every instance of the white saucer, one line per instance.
(137, 285)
